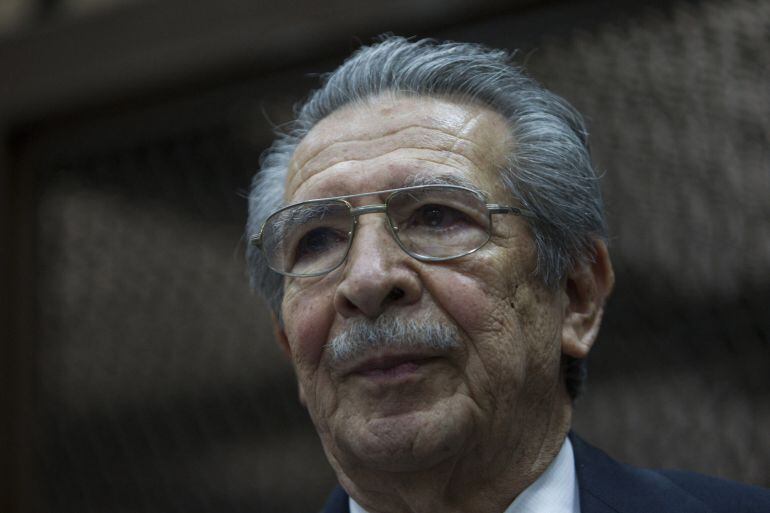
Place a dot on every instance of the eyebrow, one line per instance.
(311, 212)
(417, 180)
(439, 179)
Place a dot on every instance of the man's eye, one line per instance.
(437, 217)
(319, 241)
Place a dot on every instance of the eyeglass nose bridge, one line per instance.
(381, 208)
(367, 209)
(356, 212)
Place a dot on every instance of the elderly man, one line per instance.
(430, 237)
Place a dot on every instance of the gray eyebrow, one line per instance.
(439, 179)
(418, 180)
(310, 211)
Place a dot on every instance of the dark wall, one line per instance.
(141, 372)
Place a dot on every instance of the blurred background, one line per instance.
(138, 371)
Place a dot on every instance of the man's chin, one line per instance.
(408, 441)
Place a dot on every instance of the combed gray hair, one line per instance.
(549, 171)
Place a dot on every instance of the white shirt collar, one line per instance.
(555, 491)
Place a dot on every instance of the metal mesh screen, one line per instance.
(679, 110)
(160, 388)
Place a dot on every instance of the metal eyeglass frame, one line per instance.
(355, 212)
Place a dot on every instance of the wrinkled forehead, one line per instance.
(408, 132)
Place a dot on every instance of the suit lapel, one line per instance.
(337, 502)
(607, 486)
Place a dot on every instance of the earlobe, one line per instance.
(587, 287)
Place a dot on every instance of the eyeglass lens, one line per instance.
(429, 222)
(439, 222)
(308, 238)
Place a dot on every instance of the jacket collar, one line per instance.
(337, 502)
(607, 486)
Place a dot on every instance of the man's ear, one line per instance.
(283, 341)
(587, 287)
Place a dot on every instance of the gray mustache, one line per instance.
(387, 332)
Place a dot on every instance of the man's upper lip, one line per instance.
(387, 361)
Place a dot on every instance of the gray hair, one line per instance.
(549, 171)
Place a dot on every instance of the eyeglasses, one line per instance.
(432, 223)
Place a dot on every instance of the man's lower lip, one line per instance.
(401, 370)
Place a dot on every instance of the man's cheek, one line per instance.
(307, 327)
(465, 300)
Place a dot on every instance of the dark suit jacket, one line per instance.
(607, 486)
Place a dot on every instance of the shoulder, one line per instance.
(721, 494)
(609, 486)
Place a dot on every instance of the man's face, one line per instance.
(496, 391)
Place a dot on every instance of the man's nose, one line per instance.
(377, 275)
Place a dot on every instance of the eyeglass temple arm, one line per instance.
(502, 209)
